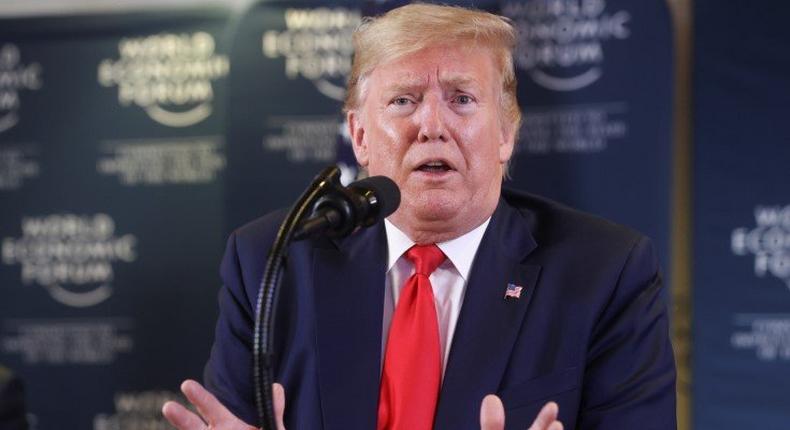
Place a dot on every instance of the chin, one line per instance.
(436, 206)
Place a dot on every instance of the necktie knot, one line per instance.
(426, 258)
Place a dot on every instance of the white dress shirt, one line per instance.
(448, 280)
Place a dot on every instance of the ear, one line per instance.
(507, 143)
(357, 133)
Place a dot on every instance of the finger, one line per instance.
(181, 417)
(492, 413)
(212, 411)
(556, 425)
(279, 405)
(546, 417)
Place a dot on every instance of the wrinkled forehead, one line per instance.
(410, 80)
(472, 67)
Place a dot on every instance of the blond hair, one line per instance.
(414, 27)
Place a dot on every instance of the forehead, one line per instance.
(445, 65)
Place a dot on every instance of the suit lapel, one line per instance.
(349, 291)
(488, 324)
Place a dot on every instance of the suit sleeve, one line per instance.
(228, 372)
(630, 370)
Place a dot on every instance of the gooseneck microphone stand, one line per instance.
(263, 344)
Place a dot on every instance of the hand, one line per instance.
(213, 415)
(492, 415)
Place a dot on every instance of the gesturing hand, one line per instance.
(492, 416)
(213, 415)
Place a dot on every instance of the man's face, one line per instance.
(431, 121)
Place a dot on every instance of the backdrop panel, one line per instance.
(741, 325)
(595, 84)
(110, 158)
(290, 64)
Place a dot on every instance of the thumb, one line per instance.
(279, 405)
(492, 413)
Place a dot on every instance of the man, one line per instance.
(464, 291)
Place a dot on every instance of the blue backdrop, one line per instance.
(741, 300)
(111, 151)
(595, 83)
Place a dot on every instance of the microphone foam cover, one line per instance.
(385, 190)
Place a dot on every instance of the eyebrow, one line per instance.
(456, 81)
(405, 85)
(411, 83)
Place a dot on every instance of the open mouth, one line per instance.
(434, 167)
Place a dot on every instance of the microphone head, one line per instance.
(382, 193)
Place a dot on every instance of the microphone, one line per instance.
(346, 209)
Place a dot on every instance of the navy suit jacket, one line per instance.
(590, 330)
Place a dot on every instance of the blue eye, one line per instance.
(463, 99)
(400, 101)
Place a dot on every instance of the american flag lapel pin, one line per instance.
(513, 292)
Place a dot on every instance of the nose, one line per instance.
(432, 124)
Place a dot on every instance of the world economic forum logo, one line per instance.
(169, 75)
(561, 42)
(315, 45)
(768, 242)
(15, 77)
(70, 255)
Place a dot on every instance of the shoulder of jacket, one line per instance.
(552, 222)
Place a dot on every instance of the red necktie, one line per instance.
(412, 363)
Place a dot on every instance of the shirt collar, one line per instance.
(460, 251)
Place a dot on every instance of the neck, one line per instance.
(423, 232)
